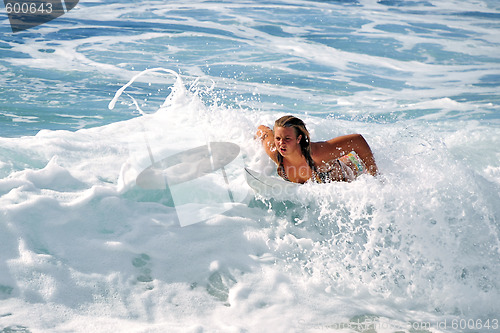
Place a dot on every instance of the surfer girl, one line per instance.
(340, 159)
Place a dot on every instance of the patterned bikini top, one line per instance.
(348, 167)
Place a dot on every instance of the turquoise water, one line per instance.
(83, 248)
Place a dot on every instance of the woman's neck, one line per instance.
(297, 168)
(295, 159)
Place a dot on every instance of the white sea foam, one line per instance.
(91, 255)
(84, 248)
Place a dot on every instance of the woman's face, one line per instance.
(286, 140)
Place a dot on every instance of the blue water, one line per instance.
(420, 244)
(325, 50)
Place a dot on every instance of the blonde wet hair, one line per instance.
(300, 129)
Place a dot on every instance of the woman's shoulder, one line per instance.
(326, 151)
(336, 143)
(319, 147)
(319, 152)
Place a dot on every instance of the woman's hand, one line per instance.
(262, 132)
(266, 136)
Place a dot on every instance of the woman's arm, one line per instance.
(339, 146)
(266, 136)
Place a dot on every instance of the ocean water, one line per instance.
(87, 244)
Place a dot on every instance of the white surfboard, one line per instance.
(269, 186)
